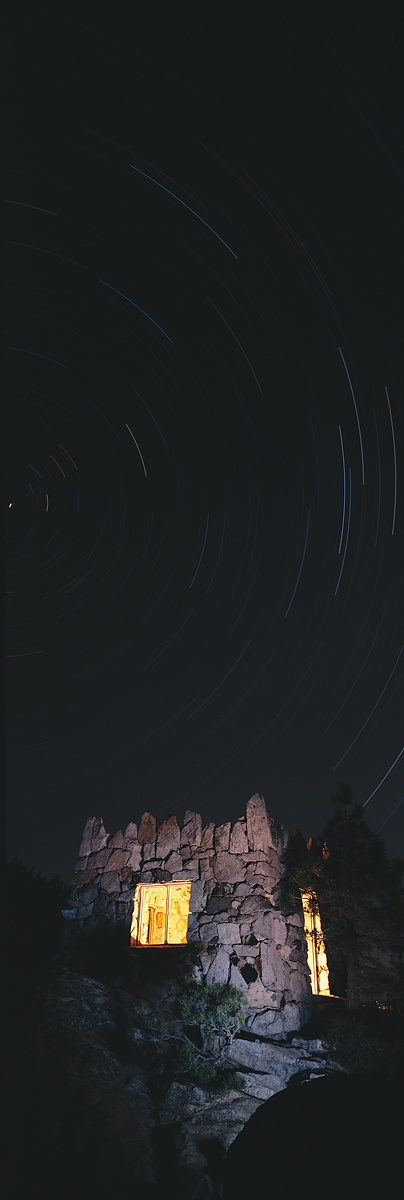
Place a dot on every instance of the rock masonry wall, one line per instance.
(237, 931)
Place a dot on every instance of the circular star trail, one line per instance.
(203, 506)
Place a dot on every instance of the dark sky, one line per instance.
(204, 420)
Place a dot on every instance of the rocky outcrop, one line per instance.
(97, 1106)
(237, 932)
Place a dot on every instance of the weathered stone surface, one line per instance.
(134, 858)
(130, 837)
(208, 931)
(99, 859)
(147, 829)
(84, 911)
(191, 832)
(228, 933)
(266, 1023)
(198, 896)
(222, 836)
(85, 846)
(168, 837)
(220, 968)
(228, 868)
(116, 842)
(254, 904)
(110, 881)
(99, 837)
(259, 824)
(174, 863)
(84, 877)
(218, 904)
(149, 851)
(258, 995)
(81, 864)
(262, 1086)
(236, 979)
(118, 859)
(207, 836)
(238, 838)
(86, 894)
(273, 970)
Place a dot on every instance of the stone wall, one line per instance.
(237, 933)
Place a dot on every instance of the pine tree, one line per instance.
(360, 896)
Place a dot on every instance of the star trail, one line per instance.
(203, 507)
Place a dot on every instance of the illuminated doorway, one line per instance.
(316, 955)
(160, 914)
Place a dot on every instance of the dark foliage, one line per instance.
(360, 895)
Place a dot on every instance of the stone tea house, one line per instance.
(214, 891)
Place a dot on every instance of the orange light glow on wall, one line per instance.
(160, 914)
(316, 955)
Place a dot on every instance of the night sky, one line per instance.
(203, 420)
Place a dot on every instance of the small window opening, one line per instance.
(316, 955)
(160, 914)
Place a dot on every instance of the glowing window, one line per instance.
(316, 955)
(160, 914)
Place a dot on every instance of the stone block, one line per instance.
(207, 836)
(80, 864)
(236, 979)
(228, 868)
(228, 933)
(218, 904)
(208, 931)
(300, 987)
(198, 896)
(134, 858)
(99, 836)
(238, 838)
(110, 881)
(130, 837)
(258, 995)
(85, 895)
(118, 859)
(291, 1017)
(254, 904)
(296, 919)
(205, 870)
(84, 877)
(99, 859)
(242, 889)
(222, 836)
(116, 842)
(273, 970)
(260, 827)
(84, 911)
(168, 837)
(85, 846)
(149, 851)
(174, 863)
(69, 914)
(220, 968)
(147, 829)
(192, 829)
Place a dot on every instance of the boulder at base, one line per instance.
(332, 1135)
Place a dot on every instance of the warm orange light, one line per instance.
(316, 955)
(160, 914)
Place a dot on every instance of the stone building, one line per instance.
(214, 891)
